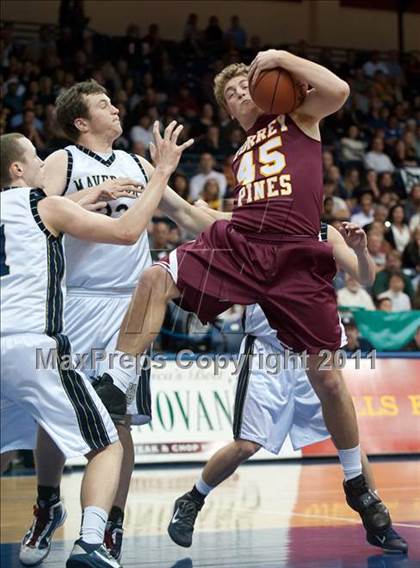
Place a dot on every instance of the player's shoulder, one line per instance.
(58, 156)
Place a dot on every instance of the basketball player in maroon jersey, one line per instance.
(269, 252)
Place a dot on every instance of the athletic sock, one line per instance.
(121, 377)
(116, 515)
(48, 496)
(351, 462)
(93, 525)
(200, 490)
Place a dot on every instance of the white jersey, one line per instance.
(32, 266)
(256, 323)
(97, 266)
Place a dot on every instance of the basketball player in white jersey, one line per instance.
(272, 404)
(58, 398)
(100, 278)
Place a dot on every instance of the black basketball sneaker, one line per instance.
(181, 526)
(374, 514)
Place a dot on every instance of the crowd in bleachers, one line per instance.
(371, 147)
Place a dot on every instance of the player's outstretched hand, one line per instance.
(354, 235)
(118, 187)
(97, 197)
(165, 151)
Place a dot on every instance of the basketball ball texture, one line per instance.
(276, 92)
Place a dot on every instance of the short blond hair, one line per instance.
(10, 151)
(228, 73)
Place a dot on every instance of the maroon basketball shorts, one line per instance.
(292, 282)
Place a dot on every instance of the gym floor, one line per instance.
(278, 514)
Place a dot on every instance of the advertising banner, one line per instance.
(192, 406)
(387, 401)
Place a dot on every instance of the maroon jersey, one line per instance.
(279, 188)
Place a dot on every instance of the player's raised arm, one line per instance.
(350, 252)
(328, 92)
(190, 218)
(62, 215)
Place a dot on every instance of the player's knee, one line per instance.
(116, 448)
(113, 449)
(331, 385)
(246, 449)
(156, 280)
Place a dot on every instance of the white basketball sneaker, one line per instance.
(36, 543)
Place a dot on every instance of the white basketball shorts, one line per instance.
(92, 322)
(272, 402)
(62, 401)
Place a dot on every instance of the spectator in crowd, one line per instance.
(380, 217)
(402, 156)
(416, 297)
(354, 341)
(373, 65)
(376, 159)
(398, 234)
(375, 245)
(352, 147)
(400, 301)
(191, 31)
(392, 266)
(175, 236)
(353, 295)
(213, 34)
(412, 206)
(334, 175)
(210, 194)
(142, 132)
(327, 160)
(180, 184)
(13, 99)
(411, 254)
(232, 142)
(236, 35)
(210, 143)
(206, 119)
(386, 182)
(366, 213)
(414, 344)
(160, 239)
(206, 171)
(411, 149)
(371, 184)
(351, 183)
(384, 304)
(339, 209)
(30, 130)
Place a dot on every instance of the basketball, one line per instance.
(276, 92)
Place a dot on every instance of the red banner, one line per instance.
(386, 394)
